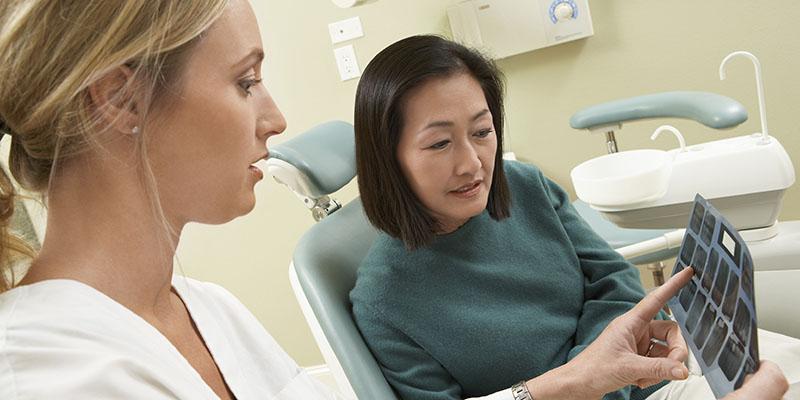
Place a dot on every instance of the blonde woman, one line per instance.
(132, 119)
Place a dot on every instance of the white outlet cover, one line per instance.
(346, 29)
(347, 62)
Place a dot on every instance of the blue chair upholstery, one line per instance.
(326, 260)
(710, 109)
(325, 154)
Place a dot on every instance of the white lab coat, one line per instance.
(61, 339)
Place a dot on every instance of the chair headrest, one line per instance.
(316, 162)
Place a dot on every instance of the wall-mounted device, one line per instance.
(504, 28)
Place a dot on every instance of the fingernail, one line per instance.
(678, 373)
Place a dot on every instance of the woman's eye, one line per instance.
(248, 84)
(440, 145)
(484, 133)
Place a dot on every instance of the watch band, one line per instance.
(520, 391)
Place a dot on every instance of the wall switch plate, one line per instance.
(347, 62)
(345, 30)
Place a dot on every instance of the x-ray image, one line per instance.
(716, 309)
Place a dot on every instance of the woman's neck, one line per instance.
(102, 231)
(447, 226)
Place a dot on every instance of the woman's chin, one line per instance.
(248, 206)
(230, 213)
(477, 207)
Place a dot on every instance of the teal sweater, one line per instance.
(494, 302)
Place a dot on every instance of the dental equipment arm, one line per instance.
(315, 164)
(669, 240)
(712, 110)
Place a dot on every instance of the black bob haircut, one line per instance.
(388, 201)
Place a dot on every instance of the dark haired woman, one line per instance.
(485, 275)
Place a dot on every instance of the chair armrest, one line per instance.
(710, 109)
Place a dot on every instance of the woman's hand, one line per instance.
(768, 383)
(622, 355)
(624, 352)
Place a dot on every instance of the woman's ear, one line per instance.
(115, 100)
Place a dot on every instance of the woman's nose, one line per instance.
(467, 160)
(272, 121)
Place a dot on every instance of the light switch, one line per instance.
(347, 62)
(346, 29)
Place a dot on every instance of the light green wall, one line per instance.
(639, 47)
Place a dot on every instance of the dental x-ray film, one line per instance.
(716, 310)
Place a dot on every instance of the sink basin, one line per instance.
(623, 178)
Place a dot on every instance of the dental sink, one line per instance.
(623, 179)
(742, 176)
(745, 177)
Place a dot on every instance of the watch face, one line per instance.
(716, 309)
(520, 391)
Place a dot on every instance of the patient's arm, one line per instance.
(619, 355)
(611, 284)
(411, 371)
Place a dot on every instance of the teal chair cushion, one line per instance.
(326, 154)
(710, 109)
(326, 260)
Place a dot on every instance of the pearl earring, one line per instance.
(135, 130)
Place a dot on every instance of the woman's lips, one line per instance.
(256, 171)
(468, 191)
(258, 168)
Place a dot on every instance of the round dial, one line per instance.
(564, 11)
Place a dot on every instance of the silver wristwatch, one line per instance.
(520, 391)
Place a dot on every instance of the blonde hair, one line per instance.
(51, 51)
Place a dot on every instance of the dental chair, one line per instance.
(323, 269)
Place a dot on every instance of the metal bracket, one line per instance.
(320, 207)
